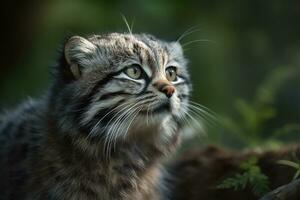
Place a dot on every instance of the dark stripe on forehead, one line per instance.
(146, 59)
(156, 47)
(151, 61)
(137, 50)
(165, 55)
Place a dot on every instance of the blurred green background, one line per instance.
(247, 72)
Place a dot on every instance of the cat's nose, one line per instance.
(168, 90)
(165, 88)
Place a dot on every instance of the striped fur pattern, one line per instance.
(101, 132)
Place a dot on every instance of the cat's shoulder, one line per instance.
(26, 117)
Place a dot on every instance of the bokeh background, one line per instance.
(244, 56)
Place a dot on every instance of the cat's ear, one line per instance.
(77, 52)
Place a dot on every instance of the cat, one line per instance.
(104, 128)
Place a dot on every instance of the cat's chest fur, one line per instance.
(129, 173)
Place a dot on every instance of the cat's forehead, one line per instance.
(127, 40)
(133, 43)
(144, 48)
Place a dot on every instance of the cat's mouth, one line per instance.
(164, 107)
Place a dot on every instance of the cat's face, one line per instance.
(124, 78)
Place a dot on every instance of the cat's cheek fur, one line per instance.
(175, 104)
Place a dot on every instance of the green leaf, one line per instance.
(295, 165)
(289, 163)
(251, 177)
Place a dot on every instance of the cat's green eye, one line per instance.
(134, 71)
(171, 74)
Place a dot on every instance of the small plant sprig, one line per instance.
(250, 177)
(292, 164)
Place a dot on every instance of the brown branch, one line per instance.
(289, 191)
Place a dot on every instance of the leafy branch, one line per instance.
(250, 177)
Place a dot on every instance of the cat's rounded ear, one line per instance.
(78, 51)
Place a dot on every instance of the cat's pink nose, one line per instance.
(165, 87)
(168, 90)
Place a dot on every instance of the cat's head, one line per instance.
(109, 83)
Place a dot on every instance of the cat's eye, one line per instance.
(134, 71)
(171, 74)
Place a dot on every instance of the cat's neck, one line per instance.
(131, 171)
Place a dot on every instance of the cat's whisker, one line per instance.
(202, 117)
(122, 123)
(131, 27)
(189, 31)
(137, 112)
(114, 127)
(93, 130)
(203, 107)
(183, 118)
(127, 104)
(134, 113)
(127, 24)
(138, 108)
(151, 113)
(113, 124)
(196, 122)
(113, 132)
(116, 115)
(147, 114)
(207, 116)
(198, 41)
(205, 111)
(125, 116)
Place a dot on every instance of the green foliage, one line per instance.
(292, 164)
(247, 129)
(251, 177)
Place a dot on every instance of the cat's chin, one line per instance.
(153, 118)
(150, 124)
(156, 115)
(164, 109)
